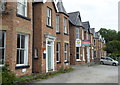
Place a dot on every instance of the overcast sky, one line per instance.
(100, 13)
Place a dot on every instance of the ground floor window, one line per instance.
(94, 54)
(58, 52)
(22, 49)
(77, 53)
(2, 47)
(65, 51)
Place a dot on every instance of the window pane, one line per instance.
(65, 56)
(21, 8)
(18, 53)
(77, 56)
(2, 37)
(77, 49)
(57, 56)
(21, 56)
(18, 41)
(1, 56)
(22, 41)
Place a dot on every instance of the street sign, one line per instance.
(78, 43)
(85, 42)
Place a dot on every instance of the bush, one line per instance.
(114, 56)
(7, 76)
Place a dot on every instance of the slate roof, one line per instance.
(86, 25)
(75, 18)
(61, 8)
(93, 30)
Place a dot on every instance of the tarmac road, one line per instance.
(85, 74)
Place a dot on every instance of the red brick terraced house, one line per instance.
(86, 25)
(91, 45)
(44, 46)
(77, 55)
(62, 40)
(51, 36)
(42, 37)
(16, 36)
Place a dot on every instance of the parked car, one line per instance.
(108, 60)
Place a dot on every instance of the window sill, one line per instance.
(58, 62)
(21, 67)
(66, 34)
(66, 61)
(58, 33)
(49, 26)
(78, 60)
(21, 16)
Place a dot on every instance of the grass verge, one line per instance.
(30, 78)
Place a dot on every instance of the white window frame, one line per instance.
(25, 50)
(65, 52)
(49, 17)
(58, 51)
(65, 25)
(78, 53)
(77, 33)
(4, 47)
(22, 3)
(57, 24)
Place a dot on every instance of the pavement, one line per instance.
(85, 74)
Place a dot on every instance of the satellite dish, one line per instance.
(2, 6)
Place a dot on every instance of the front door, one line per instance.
(50, 56)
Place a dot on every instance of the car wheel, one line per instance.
(114, 64)
(102, 62)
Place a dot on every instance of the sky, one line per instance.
(100, 13)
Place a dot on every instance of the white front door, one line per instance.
(88, 54)
(49, 55)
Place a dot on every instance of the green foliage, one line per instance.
(109, 34)
(112, 39)
(114, 56)
(113, 47)
(118, 36)
(8, 78)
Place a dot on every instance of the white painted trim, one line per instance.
(83, 53)
(88, 54)
(78, 60)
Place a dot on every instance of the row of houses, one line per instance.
(40, 37)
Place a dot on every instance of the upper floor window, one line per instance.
(65, 25)
(22, 7)
(49, 17)
(83, 34)
(2, 47)
(57, 24)
(22, 49)
(77, 33)
(94, 42)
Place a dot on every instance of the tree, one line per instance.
(113, 47)
(118, 36)
(109, 34)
